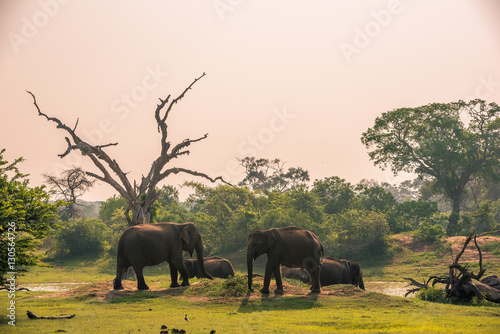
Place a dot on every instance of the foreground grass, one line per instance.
(338, 309)
(230, 309)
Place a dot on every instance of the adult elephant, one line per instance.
(214, 265)
(151, 244)
(333, 271)
(288, 246)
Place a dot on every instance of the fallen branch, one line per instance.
(461, 281)
(33, 316)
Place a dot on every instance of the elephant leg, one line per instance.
(141, 283)
(316, 287)
(279, 281)
(184, 273)
(120, 271)
(173, 276)
(177, 265)
(267, 276)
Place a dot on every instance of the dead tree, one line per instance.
(72, 184)
(461, 283)
(139, 196)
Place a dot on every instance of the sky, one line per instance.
(290, 79)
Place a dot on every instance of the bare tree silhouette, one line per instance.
(139, 196)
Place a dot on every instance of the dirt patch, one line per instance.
(103, 290)
(471, 254)
(408, 242)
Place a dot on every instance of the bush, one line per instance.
(431, 230)
(231, 287)
(432, 294)
(82, 237)
(359, 233)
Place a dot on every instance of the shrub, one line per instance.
(432, 294)
(82, 237)
(431, 230)
(231, 287)
(359, 233)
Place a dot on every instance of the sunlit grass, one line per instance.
(226, 306)
(339, 309)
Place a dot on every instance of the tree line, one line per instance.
(454, 148)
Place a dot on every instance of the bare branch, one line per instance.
(178, 98)
(119, 180)
(177, 170)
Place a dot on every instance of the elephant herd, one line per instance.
(299, 251)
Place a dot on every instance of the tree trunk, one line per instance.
(491, 294)
(139, 215)
(454, 219)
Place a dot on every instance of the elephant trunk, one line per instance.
(361, 284)
(201, 263)
(250, 269)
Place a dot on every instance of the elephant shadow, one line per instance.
(277, 302)
(131, 296)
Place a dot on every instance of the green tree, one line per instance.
(26, 216)
(223, 214)
(407, 216)
(359, 233)
(109, 206)
(167, 195)
(434, 140)
(334, 193)
(265, 174)
(372, 197)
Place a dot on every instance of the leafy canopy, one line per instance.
(25, 217)
(434, 140)
(450, 142)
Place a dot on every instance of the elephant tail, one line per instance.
(120, 252)
(321, 253)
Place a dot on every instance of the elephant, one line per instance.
(151, 244)
(215, 266)
(289, 246)
(333, 271)
(297, 274)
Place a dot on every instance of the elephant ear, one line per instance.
(270, 239)
(187, 236)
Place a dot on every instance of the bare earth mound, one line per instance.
(103, 290)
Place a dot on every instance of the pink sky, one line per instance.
(295, 80)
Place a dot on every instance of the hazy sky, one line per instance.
(295, 80)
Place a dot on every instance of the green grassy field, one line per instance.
(227, 307)
(338, 309)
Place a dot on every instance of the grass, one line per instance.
(339, 309)
(227, 307)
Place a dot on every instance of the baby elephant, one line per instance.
(214, 265)
(333, 271)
